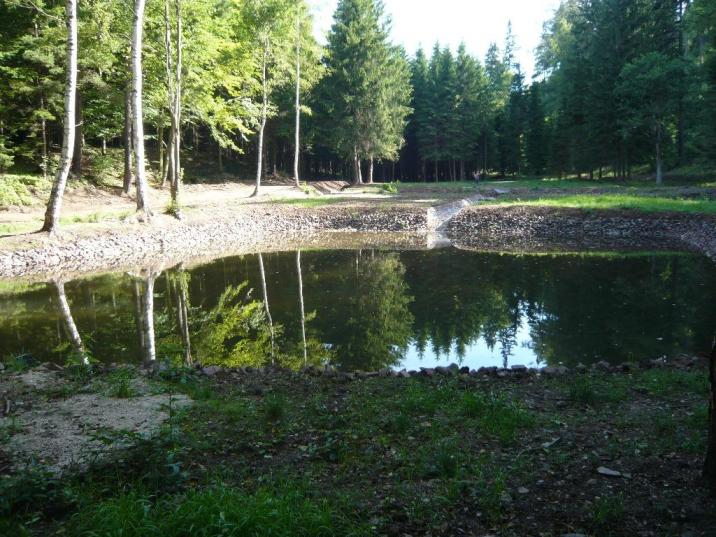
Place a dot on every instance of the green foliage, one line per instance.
(19, 363)
(218, 510)
(389, 188)
(119, 383)
(22, 189)
(236, 331)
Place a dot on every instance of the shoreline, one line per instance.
(518, 229)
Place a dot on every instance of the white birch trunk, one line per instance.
(54, 206)
(150, 350)
(297, 151)
(262, 125)
(266, 304)
(69, 321)
(303, 309)
(138, 111)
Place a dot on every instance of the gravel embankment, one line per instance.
(272, 227)
(249, 229)
(549, 229)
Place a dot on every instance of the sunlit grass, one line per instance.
(620, 201)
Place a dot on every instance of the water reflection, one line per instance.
(371, 309)
(69, 322)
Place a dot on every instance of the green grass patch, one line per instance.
(620, 201)
(673, 382)
(217, 510)
(313, 202)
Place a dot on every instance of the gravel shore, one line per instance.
(274, 227)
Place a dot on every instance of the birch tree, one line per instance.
(140, 172)
(173, 52)
(269, 25)
(54, 206)
(69, 322)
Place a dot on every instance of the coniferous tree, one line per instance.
(367, 85)
(536, 142)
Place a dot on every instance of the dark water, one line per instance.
(365, 310)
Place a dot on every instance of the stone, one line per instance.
(608, 472)
(523, 490)
(211, 370)
(518, 368)
(427, 372)
(554, 370)
(601, 366)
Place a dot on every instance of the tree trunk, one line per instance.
(710, 462)
(79, 137)
(659, 171)
(127, 137)
(54, 206)
(140, 172)
(174, 83)
(43, 130)
(370, 171)
(69, 321)
(262, 126)
(183, 313)
(266, 304)
(357, 179)
(297, 142)
(150, 350)
(160, 146)
(303, 309)
(138, 316)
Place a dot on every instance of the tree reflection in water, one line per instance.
(368, 310)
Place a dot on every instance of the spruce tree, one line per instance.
(368, 85)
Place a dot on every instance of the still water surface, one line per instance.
(366, 310)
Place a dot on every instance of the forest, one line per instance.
(621, 87)
(255, 280)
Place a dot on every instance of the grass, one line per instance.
(313, 202)
(407, 456)
(215, 510)
(620, 201)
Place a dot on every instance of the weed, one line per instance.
(120, 384)
(581, 390)
(20, 363)
(274, 408)
(389, 188)
(496, 414)
(608, 513)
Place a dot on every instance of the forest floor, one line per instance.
(86, 206)
(442, 453)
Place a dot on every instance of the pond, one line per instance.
(371, 309)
